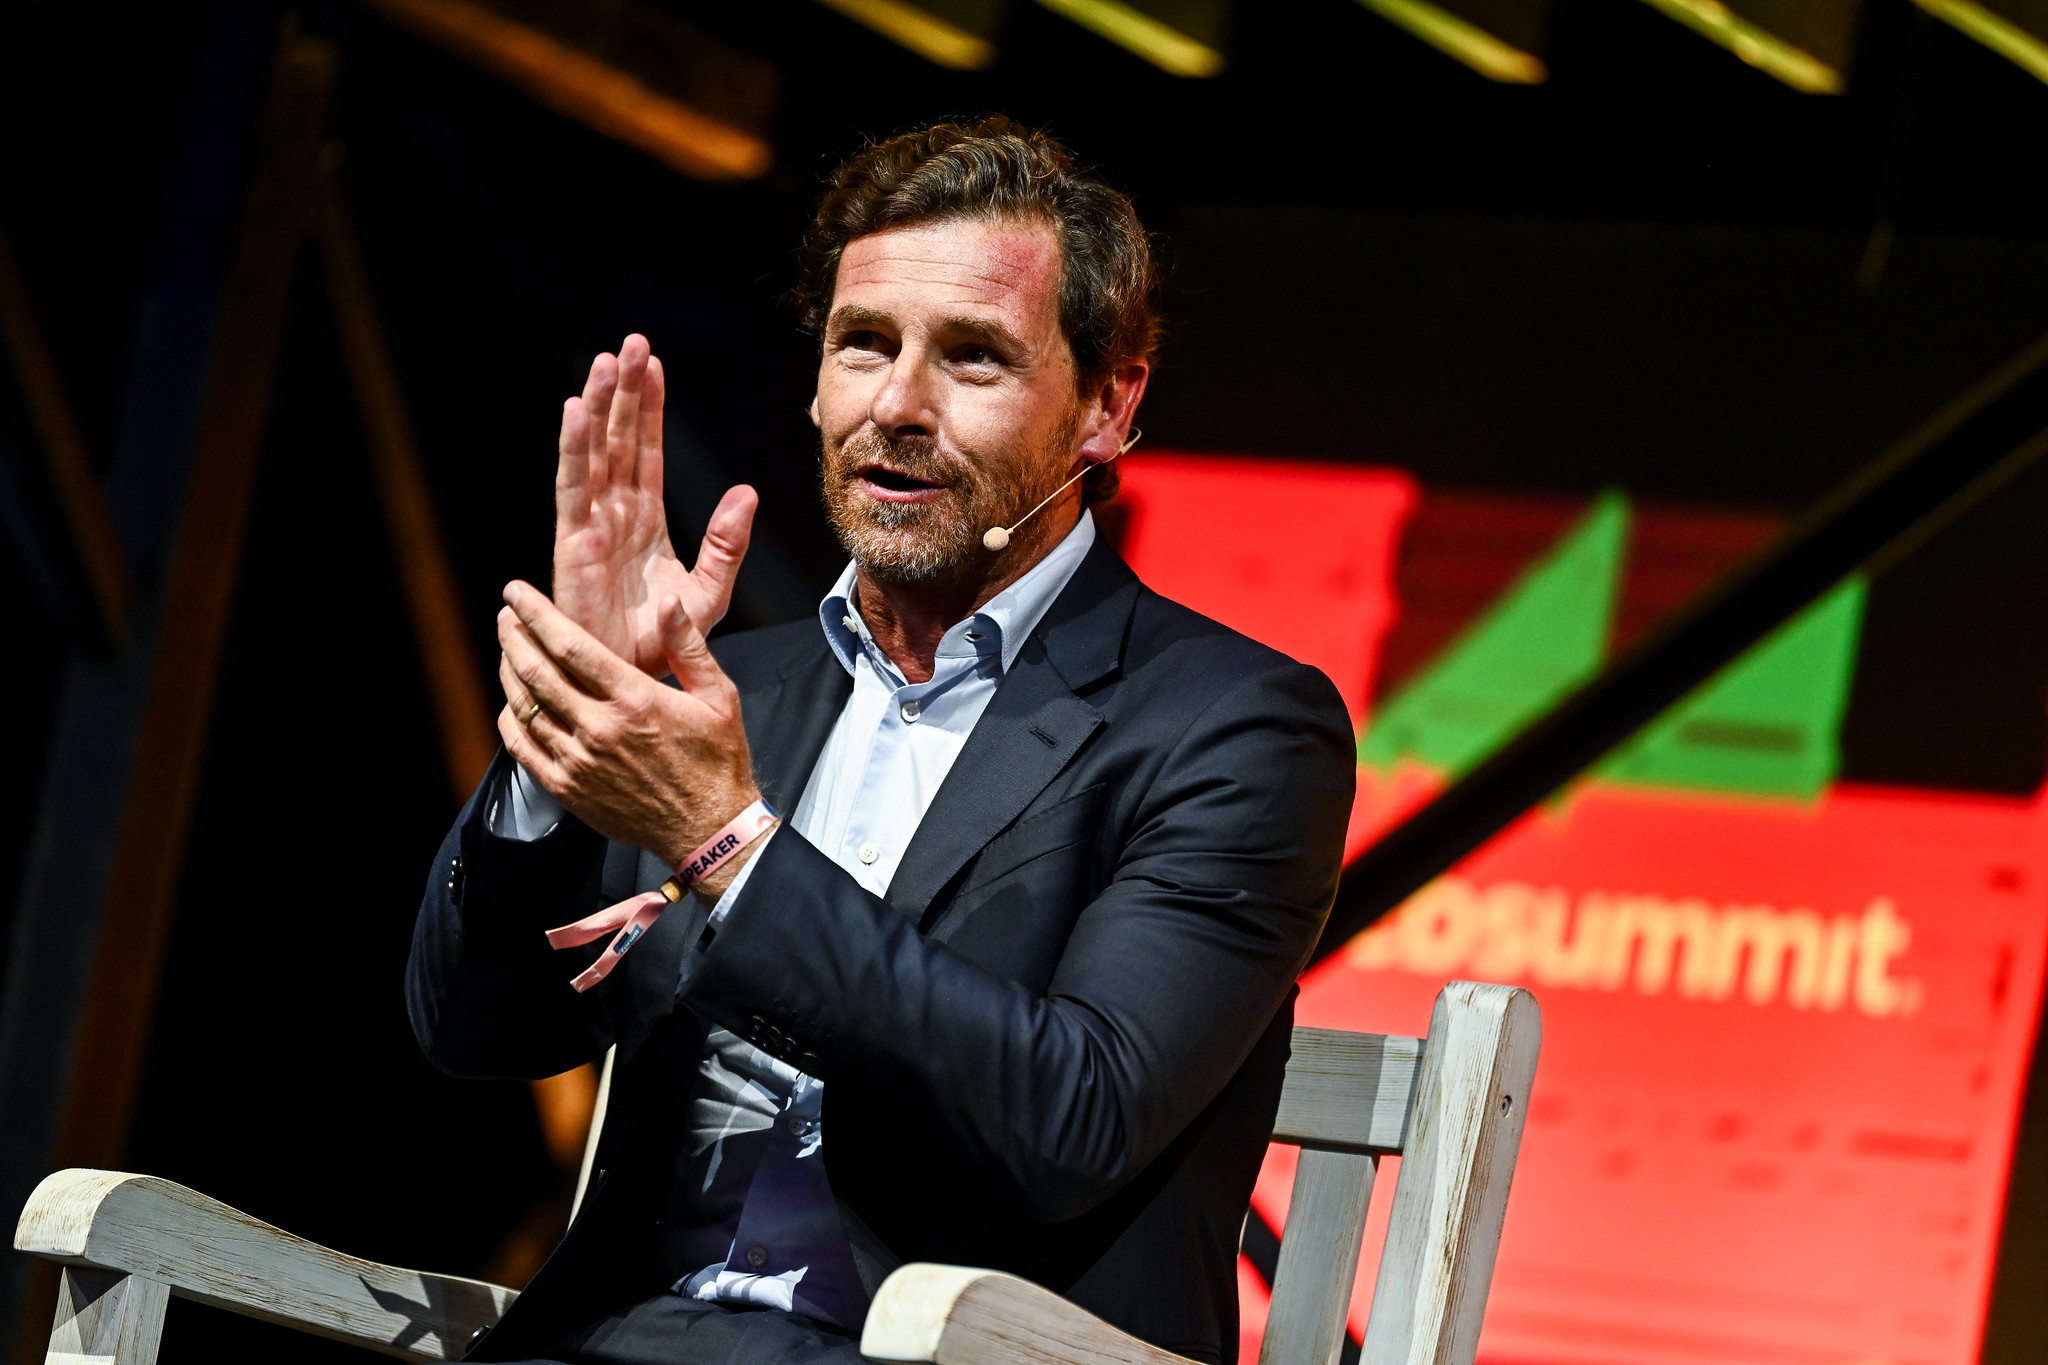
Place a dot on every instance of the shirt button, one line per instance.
(757, 1257)
(850, 623)
(868, 853)
(800, 1126)
(912, 710)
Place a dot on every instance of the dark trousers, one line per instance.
(669, 1329)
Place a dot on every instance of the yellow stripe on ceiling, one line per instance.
(1474, 46)
(1765, 51)
(576, 84)
(1166, 48)
(2001, 35)
(921, 31)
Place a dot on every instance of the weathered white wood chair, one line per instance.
(1451, 1106)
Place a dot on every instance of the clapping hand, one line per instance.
(614, 563)
(657, 767)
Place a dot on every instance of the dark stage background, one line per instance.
(1644, 274)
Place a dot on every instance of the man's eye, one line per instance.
(862, 341)
(975, 355)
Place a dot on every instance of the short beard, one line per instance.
(913, 544)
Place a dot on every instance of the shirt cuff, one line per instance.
(522, 810)
(739, 883)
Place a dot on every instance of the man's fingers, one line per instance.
(688, 655)
(536, 760)
(528, 709)
(539, 676)
(576, 655)
(647, 460)
(622, 425)
(572, 473)
(598, 392)
(517, 699)
(726, 538)
(545, 735)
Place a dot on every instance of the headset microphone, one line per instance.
(998, 537)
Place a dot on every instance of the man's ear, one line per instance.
(813, 410)
(1112, 411)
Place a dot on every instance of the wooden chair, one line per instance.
(1451, 1106)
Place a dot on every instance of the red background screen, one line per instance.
(1784, 1042)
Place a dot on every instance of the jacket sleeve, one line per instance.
(1168, 979)
(487, 995)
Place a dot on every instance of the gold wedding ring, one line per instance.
(531, 712)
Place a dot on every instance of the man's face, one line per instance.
(946, 397)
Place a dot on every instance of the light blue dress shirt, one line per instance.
(891, 748)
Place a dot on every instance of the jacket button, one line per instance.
(757, 1257)
(476, 1338)
(455, 880)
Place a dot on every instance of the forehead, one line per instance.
(1008, 269)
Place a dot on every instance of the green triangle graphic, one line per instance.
(1770, 723)
(1546, 635)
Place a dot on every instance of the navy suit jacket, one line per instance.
(1056, 1046)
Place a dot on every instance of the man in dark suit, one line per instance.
(1012, 985)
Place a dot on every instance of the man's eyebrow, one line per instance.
(857, 315)
(984, 329)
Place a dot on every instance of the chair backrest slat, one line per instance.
(1451, 1107)
(1450, 1200)
(1318, 1258)
(1349, 1091)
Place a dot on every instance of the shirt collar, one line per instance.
(1000, 628)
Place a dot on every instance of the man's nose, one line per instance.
(902, 406)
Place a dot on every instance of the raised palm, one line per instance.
(615, 567)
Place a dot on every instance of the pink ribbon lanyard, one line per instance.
(635, 915)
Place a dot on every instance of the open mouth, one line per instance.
(893, 485)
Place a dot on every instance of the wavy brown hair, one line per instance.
(997, 168)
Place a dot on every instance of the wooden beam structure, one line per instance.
(426, 573)
(89, 780)
(585, 76)
(90, 530)
(200, 581)
(462, 697)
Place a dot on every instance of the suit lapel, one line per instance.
(789, 720)
(1033, 727)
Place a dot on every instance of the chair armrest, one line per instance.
(953, 1315)
(205, 1251)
